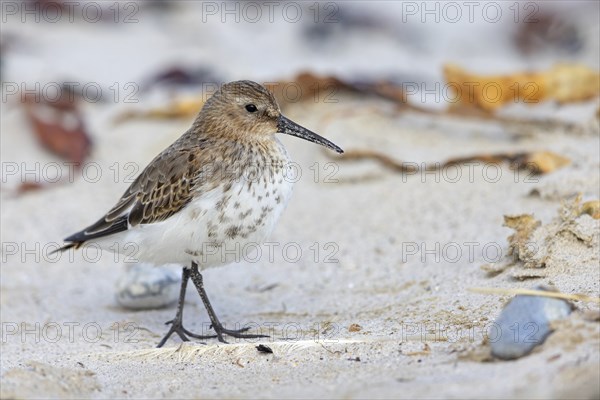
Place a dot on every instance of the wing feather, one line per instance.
(163, 188)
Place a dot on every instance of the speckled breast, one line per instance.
(243, 214)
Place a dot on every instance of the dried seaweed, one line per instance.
(540, 162)
(564, 83)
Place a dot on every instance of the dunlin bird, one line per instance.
(222, 185)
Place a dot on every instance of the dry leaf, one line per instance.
(59, 127)
(308, 87)
(592, 208)
(27, 187)
(568, 83)
(186, 107)
(564, 83)
(543, 162)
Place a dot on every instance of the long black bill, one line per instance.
(289, 127)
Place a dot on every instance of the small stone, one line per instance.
(264, 349)
(524, 323)
(144, 286)
(354, 328)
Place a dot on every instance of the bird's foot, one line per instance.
(236, 333)
(177, 327)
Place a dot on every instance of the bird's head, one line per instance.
(248, 108)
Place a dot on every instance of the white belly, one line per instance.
(217, 228)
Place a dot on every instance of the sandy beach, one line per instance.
(367, 290)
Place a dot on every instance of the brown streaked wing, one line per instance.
(163, 188)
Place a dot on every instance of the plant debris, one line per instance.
(541, 162)
(26, 187)
(537, 292)
(570, 239)
(59, 127)
(424, 351)
(591, 208)
(181, 76)
(307, 86)
(184, 107)
(524, 225)
(564, 83)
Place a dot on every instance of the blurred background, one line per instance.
(412, 90)
(104, 42)
(160, 59)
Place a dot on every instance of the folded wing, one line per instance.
(163, 188)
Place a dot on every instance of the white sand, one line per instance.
(400, 300)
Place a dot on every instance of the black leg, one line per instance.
(177, 322)
(216, 324)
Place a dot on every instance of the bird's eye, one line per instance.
(251, 108)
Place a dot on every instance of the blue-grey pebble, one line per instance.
(144, 286)
(523, 324)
